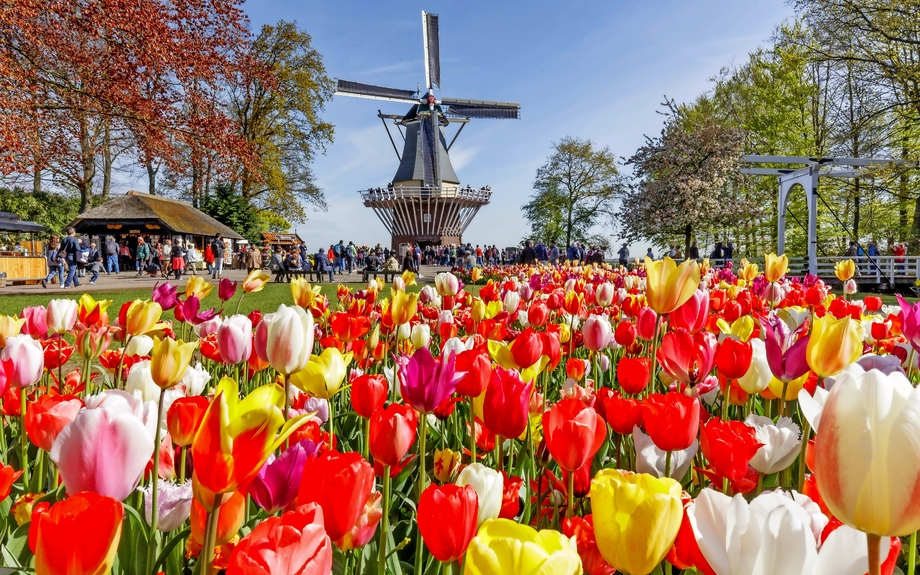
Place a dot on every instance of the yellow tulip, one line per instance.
(303, 292)
(478, 312)
(775, 267)
(749, 272)
(408, 278)
(255, 281)
(834, 344)
(476, 274)
(324, 373)
(90, 311)
(667, 285)
(636, 518)
(742, 328)
(446, 464)
(169, 360)
(142, 317)
(792, 388)
(844, 270)
(9, 326)
(198, 287)
(504, 546)
(403, 306)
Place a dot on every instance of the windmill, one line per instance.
(425, 203)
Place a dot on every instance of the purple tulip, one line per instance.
(165, 295)
(226, 289)
(785, 349)
(425, 382)
(276, 485)
(910, 322)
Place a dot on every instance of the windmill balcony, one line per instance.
(399, 192)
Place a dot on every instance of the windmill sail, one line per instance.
(359, 90)
(432, 50)
(481, 109)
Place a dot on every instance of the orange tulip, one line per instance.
(348, 327)
(296, 542)
(237, 436)
(232, 512)
(76, 536)
(184, 417)
(8, 477)
(667, 285)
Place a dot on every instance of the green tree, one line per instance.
(54, 211)
(228, 206)
(281, 121)
(573, 191)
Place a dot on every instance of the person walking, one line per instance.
(111, 256)
(623, 255)
(253, 260)
(142, 255)
(322, 264)
(56, 261)
(694, 253)
(192, 257)
(177, 258)
(217, 248)
(528, 254)
(94, 263)
(71, 248)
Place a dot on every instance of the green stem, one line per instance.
(84, 376)
(384, 524)
(653, 373)
(422, 437)
(207, 553)
(782, 401)
(23, 439)
(331, 403)
(912, 554)
(238, 303)
(472, 432)
(183, 452)
(806, 431)
(667, 464)
(570, 496)
(154, 490)
(121, 364)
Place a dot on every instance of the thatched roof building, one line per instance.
(143, 214)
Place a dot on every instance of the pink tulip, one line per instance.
(24, 360)
(206, 328)
(36, 321)
(604, 294)
(597, 332)
(285, 339)
(693, 313)
(234, 339)
(105, 449)
(62, 314)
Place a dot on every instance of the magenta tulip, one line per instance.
(786, 351)
(276, 485)
(24, 360)
(234, 339)
(189, 311)
(36, 321)
(106, 448)
(910, 322)
(425, 382)
(165, 295)
(226, 289)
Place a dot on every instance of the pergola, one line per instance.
(807, 172)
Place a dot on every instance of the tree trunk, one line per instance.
(688, 231)
(36, 176)
(152, 177)
(856, 202)
(106, 163)
(88, 157)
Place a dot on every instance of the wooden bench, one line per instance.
(388, 275)
(283, 275)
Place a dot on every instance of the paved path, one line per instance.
(130, 280)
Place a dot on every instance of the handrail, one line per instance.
(426, 192)
(875, 269)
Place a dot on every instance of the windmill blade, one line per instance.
(481, 109)
(359, 90)
(432, 50)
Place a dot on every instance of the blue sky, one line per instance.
(594, 69)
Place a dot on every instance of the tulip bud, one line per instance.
(24, 359)
(596, 332)
(446, 464)
(511, 301)
(646, 324)
(478, 313)
(169, 360)
(420, 335)
(447, 284)
(849, 287)
(604, 294)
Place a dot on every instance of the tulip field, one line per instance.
(563, 420)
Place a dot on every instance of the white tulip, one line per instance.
(420, 336)
(174, 504)
(140, 380)
(781, 443)
(62, 314)
(139, 345)
(511, 302)
(195, 379)
(489, 485)
(758, 375)
(811, 406)
(651, 460)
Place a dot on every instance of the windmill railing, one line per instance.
(480, 195)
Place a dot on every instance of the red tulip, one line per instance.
(46, 417)
(692, 314)
(582, 530)
(625, 333)
(447, 519)
(672, 420)
(340, 483)
(477, 365)
(622, 413)
(633, 374)
(646, 324)
(57, 352)
(729, 447)
(368, 392)
(511, 496)
(687, 357)
(77, 535)
(733, 359)
(575, 368)
(8, 477)
(183, 418)
(527, 348)
(392, 433)
(551, 349)
(348, 327)
(574, 432)
(537, 315)
(506, 403)
(872, 303)
(296, 542)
